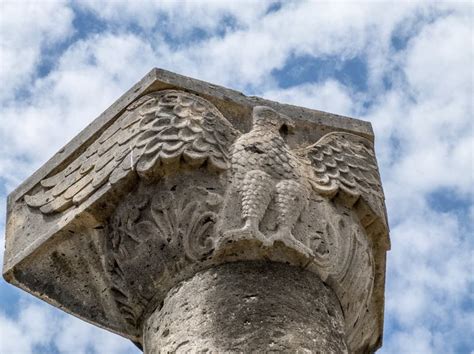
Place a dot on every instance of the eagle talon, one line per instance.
(246, 233)
(287, 238)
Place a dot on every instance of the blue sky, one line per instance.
(406, 67)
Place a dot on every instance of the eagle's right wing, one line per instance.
(160, 128)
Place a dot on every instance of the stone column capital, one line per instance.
(179, 176)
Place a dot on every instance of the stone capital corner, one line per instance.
(180, 176)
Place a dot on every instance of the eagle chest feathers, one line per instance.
(264, 151)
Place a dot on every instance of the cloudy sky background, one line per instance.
(407, 67)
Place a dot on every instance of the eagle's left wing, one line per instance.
(344, 164)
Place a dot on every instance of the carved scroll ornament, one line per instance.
(204, 187)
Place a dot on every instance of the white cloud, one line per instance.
(37, 327)
(437, 57)
(88, 339)
(12, 337)
(429, 278)
(34, 327)
(330, 96)
(261, 43)
(247, 55)
(430, 114)
(25, 29)
(177, 17)
(416, 342)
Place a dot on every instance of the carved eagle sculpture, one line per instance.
(171, 127)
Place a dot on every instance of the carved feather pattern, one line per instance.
(343, 162)
(162, 128)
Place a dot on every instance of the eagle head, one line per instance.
(267, 118)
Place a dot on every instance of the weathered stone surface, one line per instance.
(180, 176)
(248, 307)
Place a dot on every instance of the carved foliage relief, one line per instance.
(158, 232)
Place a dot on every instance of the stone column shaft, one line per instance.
(248, 307)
